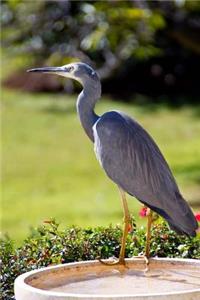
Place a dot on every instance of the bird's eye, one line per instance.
(69, 69)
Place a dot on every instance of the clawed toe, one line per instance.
(113, 262)
(145, 258)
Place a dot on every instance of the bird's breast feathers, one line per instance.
(105, 133)
(130, 157)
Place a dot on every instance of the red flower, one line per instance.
(143, 212)
(197, 216)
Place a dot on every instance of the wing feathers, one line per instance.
(132, 160)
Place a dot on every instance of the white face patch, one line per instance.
(78, 71)
(67, 75)
(71, 70)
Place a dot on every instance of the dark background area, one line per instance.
(138, 47)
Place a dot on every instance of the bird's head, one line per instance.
(78, 71)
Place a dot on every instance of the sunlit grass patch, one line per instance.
(49, 166)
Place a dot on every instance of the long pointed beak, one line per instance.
(48, 70)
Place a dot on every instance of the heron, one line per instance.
(129, 157)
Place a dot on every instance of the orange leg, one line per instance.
(127, 220)
(148, 238)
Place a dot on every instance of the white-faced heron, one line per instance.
(129, 156)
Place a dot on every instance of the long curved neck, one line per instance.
(85, 106)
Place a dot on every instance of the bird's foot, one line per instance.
(113, 262)
(146, 259)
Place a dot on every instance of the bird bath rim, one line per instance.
(23, 288)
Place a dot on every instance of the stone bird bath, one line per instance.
(177, 279)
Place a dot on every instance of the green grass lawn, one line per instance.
(50, 170)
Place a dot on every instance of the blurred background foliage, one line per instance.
(149, 47)
(147, 54)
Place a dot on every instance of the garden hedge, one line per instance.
(49, 245)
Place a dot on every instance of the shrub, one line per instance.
(48, 245)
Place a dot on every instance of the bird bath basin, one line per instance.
(166, 279)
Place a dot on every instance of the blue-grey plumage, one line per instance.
(127, 153)
(132, 160)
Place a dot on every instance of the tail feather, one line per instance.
(184, 219)
(180, 231)
(181, 218)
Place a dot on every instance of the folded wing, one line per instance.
(132, 160)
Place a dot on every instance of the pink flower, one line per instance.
(143, 212)
(197, 216)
